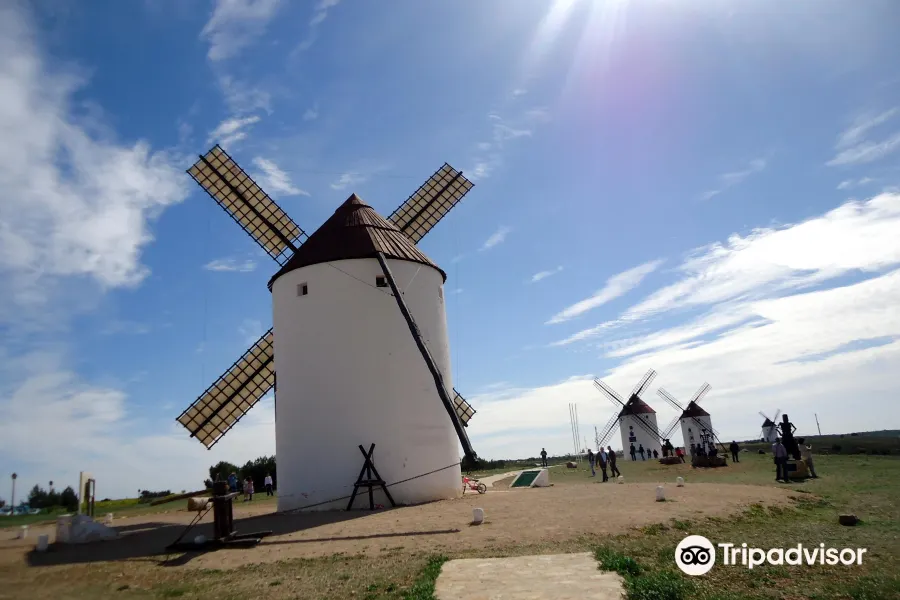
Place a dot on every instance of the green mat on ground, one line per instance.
(525, 478)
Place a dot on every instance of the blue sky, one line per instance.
(708, 188)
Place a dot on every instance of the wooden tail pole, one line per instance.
(429, 360)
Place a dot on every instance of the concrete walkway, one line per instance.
(557, 576)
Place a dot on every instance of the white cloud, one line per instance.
(250, 331)
(727, 180)
(545, 274)
(231, 130)
(866, 152)
(616, 286)
(311, 114)
(242, 97)
(320, 13)
(74, 203)
(853, 147)
(235, 24)
(275, 181)
(856, 133)
(498, 237)
(230, 264)
(348, 179)
(490, 154)
(848, 184)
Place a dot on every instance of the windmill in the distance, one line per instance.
(769, 431)
(362, 353)
(696, 424)
(634, 417)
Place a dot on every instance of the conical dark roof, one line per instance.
(635, 406)
(355, 230)
(693, 410)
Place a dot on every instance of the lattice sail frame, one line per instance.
(233, 394)
(250, 207)
(431, 202)
(463, 409)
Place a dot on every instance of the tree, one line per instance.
(37, 497)
(2, 502)
(222, 469)
(69, 499)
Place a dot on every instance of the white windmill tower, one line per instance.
(634, 418)
(769, 431)
(361, 350)
(696, 423)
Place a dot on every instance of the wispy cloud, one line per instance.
(857, 237)
(235, 24)
(250, 330)
(274, 180)
(320, 13)
(498, 237)
(853, 146)
(311, 114)
(230, 265)
(348, 179)
(124, 327)
(545, 274)
(232, 130)
(489, 154)
(242, 97)
(728, 180)
(849, 184)
(616, 286)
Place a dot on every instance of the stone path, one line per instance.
(557, 576)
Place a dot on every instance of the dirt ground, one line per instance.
(518, 516)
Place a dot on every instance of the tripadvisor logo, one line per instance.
(696, 555)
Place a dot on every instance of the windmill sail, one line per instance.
(250, 207)
(430, 203)
(233, 394)
(463, 409)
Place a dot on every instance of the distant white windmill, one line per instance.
(769, 431)
(634, 418)
(361, 349)
(696, 423)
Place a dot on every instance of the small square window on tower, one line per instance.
(302, 289)
(381, 281)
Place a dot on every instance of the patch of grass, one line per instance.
(613, 560)
(423, 588)
(641, 583)
(654, 529)
(172, 592)
(659, 585)
(681, 525)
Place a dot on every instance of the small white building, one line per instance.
(637, 434)
(769, 431)
(693, 421)
(350, 373)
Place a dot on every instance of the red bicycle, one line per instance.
(473, 484)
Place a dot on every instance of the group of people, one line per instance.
(780, 454)
(605, 459)
(246, 486)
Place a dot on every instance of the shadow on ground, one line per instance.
(149, 540)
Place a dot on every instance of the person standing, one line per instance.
(781, 457)
(632, 451)
(233, 482)
(268, 483)
(807, 457)
(641, 451)
(604, 459)
(591, 462)
(543, 457)
(613, 469)
(734, 451)
(679, 452)
(655, 453)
